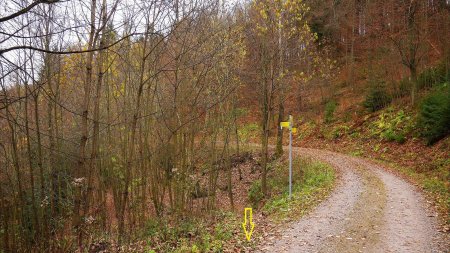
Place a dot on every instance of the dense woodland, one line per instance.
(111, 110)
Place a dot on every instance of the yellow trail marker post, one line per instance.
(289, 124)
(284, 124)
(249, 220)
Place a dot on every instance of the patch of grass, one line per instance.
(355, 135)
(391, 135)
(434, 185)
(340, 131)
(190, 235)
(392, 125)
(255, 194)
(223, 230)
(330, 107)
(305, 129)
(312, 181)
(357, 152)
(248, 132)
(335, 132)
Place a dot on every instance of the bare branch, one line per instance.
(2, 51)
(27, 9)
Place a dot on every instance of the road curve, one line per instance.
(370, 210)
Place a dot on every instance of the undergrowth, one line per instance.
(248, 132)
(312, 181)
(377, 97)
(434, 119)
(330, 108)
(393, 125)
(190, 235)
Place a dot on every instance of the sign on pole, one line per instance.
(289, 124)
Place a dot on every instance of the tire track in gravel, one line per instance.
(370, 210)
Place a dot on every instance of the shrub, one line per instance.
(434, 118)
(152, 227)
(330, 107)
(340, 131)
(393, 126)
(248, 132)
(377, 98)
(255, 194)
(433, 76)
(403, 88)
(222, 232)
(427, 78)
(391, 135)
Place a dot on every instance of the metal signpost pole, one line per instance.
(292, 130)
(290, 161)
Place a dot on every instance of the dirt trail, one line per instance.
(370, 210)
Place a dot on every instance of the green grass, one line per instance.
(330, 108)
(393, 125)
(248, 132)
(312, 181)
(191, 235)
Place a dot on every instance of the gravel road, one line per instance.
(370, 210)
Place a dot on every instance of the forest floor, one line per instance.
(370, 210)
(361, 207)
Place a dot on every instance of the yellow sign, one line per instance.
(248, 232)
(294, 130)
(284, 124)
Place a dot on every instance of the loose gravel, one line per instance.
(370, 210)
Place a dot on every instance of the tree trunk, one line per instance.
(41, 169)
(82, 171)
(279, 147)
(131, 149)
(265, 141)
(413, 71)
(36, 226)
